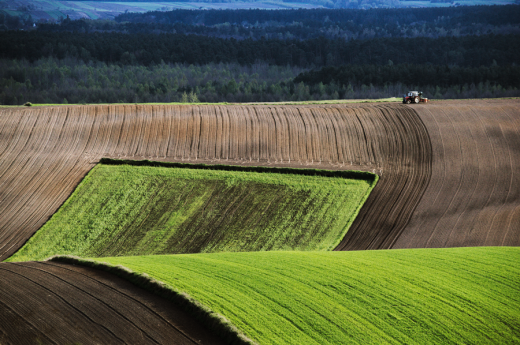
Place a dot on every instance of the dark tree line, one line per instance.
(250, 56)
(494, 15)
(50, 80)
(443, 76)
(149, 49)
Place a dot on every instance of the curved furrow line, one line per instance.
(41, 183)
(435, 184)
(25, 152)
(470, 173)
(406, 174)
(476, 173)
(473, 197)
(8, 128)
(156, 321)
(491, 233)
(180, 124)
(217, 132)
(513, 219)
(16, 191)
(124, 140)
(19, 331)
(137, 319)
(505, 181)
(253, 133)
(311, 144)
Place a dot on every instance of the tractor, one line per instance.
(414, 97)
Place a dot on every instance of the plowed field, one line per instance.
(473, 198)
(46, 151)
(52, 303)
(448, 177)
(463, 155)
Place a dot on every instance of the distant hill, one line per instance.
(53, 10)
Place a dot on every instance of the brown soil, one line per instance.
(46, 151)
(473, 198)
(53, 303)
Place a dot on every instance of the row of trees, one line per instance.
(50, 80)
(149, 49)
(452, 16)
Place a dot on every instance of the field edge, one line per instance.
(353, 174)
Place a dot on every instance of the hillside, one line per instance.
(121, 210)
(422, 296)
(447, 178)
(48, 150)
(473, 198)
(414, 149)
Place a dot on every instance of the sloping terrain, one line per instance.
(53, 303)
(123, 210)
(46, 151)
(473, 198)
(469, 149)
(412, 296)
(448, 177)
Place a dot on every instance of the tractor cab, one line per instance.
(414, 97)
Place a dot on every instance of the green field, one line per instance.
(414, 296)
(121, 210)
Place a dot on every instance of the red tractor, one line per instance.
(414, 97)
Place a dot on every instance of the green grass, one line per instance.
(121, 210)
(415, 296)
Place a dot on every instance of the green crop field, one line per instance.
(414, 296)
(137, 210)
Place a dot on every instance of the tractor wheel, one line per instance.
(416, 100)
(408, 101)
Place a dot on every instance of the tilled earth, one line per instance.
(52, 303)
(473, 198)
(46, 151)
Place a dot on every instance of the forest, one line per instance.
(70, 80)
(251, 56)
(148, 49)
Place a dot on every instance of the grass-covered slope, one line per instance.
(414, 296)
(121, 210)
